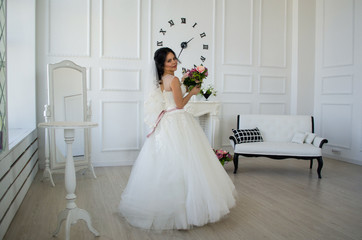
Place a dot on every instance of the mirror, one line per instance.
(67, 99)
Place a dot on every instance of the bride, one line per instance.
(177, 181)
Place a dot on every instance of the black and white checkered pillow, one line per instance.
(247, 135)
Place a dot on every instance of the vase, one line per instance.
(206, 95)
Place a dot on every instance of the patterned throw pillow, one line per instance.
(247, 135)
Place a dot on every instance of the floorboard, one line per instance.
(277, 199)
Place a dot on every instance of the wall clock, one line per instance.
(187, 39)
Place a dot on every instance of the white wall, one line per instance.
(303, 57)
(253, 59)
(338, 77)
(20, 164)
(21, 64)
(261, 59)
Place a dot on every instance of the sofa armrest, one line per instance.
(232, 141)
(319, 141)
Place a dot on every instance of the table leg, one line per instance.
(72, 213)
(90, 166)
(70, 181)
(61, 217)
(47, 172)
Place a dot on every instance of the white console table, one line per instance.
(72, 213)
(208, 114)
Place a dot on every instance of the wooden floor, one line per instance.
(277, 199)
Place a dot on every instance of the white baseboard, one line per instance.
(113, 163)
(354, 161)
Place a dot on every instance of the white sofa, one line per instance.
(282, 138)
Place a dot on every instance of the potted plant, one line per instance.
(208, 91)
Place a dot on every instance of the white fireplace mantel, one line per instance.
(207, 113)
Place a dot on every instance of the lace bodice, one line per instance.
(167, 92)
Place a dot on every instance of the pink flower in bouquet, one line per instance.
(200, 69)
(223, 156)
(195, 76)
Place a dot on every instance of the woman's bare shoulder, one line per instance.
(169, 77)
(169, 81)
(175, 81)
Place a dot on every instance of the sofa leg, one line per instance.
(320, 165)
(311, 163)
(236, 162)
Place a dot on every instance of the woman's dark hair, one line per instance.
(160, 58)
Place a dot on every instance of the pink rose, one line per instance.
(200, 69)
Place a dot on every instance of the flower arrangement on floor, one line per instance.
(195, 76)
(208, 91)
(223, 156)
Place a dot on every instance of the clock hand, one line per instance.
(180, 52)
(189, 40)
(183, 46)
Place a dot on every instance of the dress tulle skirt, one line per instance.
(177, 182)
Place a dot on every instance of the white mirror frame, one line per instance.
(51, 163)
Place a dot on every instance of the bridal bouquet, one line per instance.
(195, 76)
(223, 156)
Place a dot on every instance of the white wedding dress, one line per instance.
(177, 181)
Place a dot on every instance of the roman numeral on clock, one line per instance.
(183, 20)
(160, 43)
(202, 58)
(206, 47)
(162, 31)
(203, 35)
(171, 23)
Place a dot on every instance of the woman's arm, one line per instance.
(177, 93)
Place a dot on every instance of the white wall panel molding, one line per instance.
(336, 124)
(337, 84)
(360, 139)
(338, 33)
(237, 32)
(120, 29)
(272, 108)
(338, 71)
(150, 40)
(273, 33)
(272, 85)
(88, 79)
(237, 83)
(236, 107)
(213, 62)
(120, 125)
(120, 79)
(230, 110)
(69, 24)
